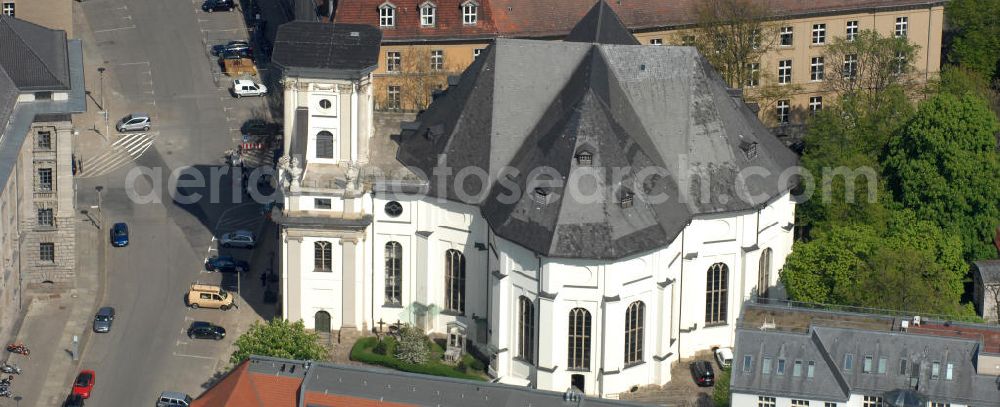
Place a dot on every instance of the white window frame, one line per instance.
(753, 74)
(783, 110)
(437, 60)
(393, 273)
(387, 15)
(476, 52)
(393, 61)
(817, 71)
(394, 103)
(8, 9)
(764, 401)
(815, 104)
(819, 34)
(428, 14)
(470, 13)
(656, 41)
(784, 71)
(852, 30)
(901, 27)
(790, 31)
(850, 66)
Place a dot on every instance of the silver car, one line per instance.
(240, 238)
(173, 399)
(102, 321)
(134, 122)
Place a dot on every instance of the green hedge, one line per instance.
(362, 352)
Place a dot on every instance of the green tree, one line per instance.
(826, 269)
(975, 35)
(944, 166)
(413, 346)
(278, 338)
(864, 68)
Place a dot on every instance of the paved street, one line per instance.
(157, 62)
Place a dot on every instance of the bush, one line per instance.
(413, 346)
(478, 365)
(362, 352)
(720, 394)
(381, 348)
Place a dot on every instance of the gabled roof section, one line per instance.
(35, 58)
(348, 50)
(256, 382)
(448, 22)
(601, 25)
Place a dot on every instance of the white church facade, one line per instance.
(582, 208)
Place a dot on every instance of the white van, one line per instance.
(173, 399)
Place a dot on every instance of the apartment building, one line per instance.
(430, 39)
(54, 14)
(787, 356)
(41, 86)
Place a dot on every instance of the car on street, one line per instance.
(84, 383)
(73, 400)
(209, 296)
(134, 122)
(246, 87)
(102, 321)
(173, 399)
(258, 127)
(218, 5)
(226, 264)
(724, 356)
(206, 330)
(240, 238)
(119, 234)
(701, 371)
(239, 47)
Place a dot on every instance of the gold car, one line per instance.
(209, 296)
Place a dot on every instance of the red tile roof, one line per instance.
(338, 400)
(448, 26)
(555, 18)
(242, 388)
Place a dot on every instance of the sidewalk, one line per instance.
(50, 324)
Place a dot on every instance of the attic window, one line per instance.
(387, 15)
(428, 13)
(584, 158)
(749, 148)
(626, 198)
(541, 196)
(470, 13)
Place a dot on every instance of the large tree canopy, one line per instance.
(944, 166)
(278, 338)
(975, 35)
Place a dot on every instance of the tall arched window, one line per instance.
(526, 330)
(324, 144)
(393, 273)
(764, 273)
(322, 256)
(578, 352)
(454, 263)
(635, 321)
(716, 306)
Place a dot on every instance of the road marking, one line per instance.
(133, 63)
(183, 355)
(114, 29)
(179, 343)
(123, 151)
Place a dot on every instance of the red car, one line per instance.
(84, 383)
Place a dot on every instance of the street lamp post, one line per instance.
(104, 109)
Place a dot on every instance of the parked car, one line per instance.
(134, 122)
(119, 234)
(218, 5)
(173, 399)
(73, 400)
(226, 264)
(724, 356)
(206, 330)
(84, 383)
(702, 372)
(246, 87)
(208, 296)
(102, 321)
(239, 47)
(240, 238)
(257, 127)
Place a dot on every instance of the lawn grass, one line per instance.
(362, 352)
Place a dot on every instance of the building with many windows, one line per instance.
(41, 86)
(458, 31)
(789, 356)
(579, 210)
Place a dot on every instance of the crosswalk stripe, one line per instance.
(126, 149)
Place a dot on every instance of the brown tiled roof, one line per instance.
(338, 400)
(448, 26)
(989, 337)
(242, 388)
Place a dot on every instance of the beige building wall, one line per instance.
(54, 14)
(457, 57)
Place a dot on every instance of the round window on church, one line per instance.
(325, 103)
(393, 208)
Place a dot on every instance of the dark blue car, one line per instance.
(226, 264)
(119, 235)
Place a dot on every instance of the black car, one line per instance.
(257, 127)
(702, 372)
(206, 330)
(226, 264)
(218, 5)
(74, 400)
(238, 47)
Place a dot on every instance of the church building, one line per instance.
(585, 213)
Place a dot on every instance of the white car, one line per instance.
(246, 87)
(724, 356)
(240, 238)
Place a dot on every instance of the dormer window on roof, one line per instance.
(584, 157)
(626, 198)
(470, 13)
(387, 15)
(428, 14)
(749, 149)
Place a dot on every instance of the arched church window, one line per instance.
(393, 273)
(764, 272)
(454, 262)
(526, 330)
(716, 298)
(323, 256)
(578, 351)
(635, 321)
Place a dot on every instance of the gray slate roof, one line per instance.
(827, 347)
(527, 104)
(601, 25)
(416, 389)
(337, 51)
(989, 270)
(34, 57)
